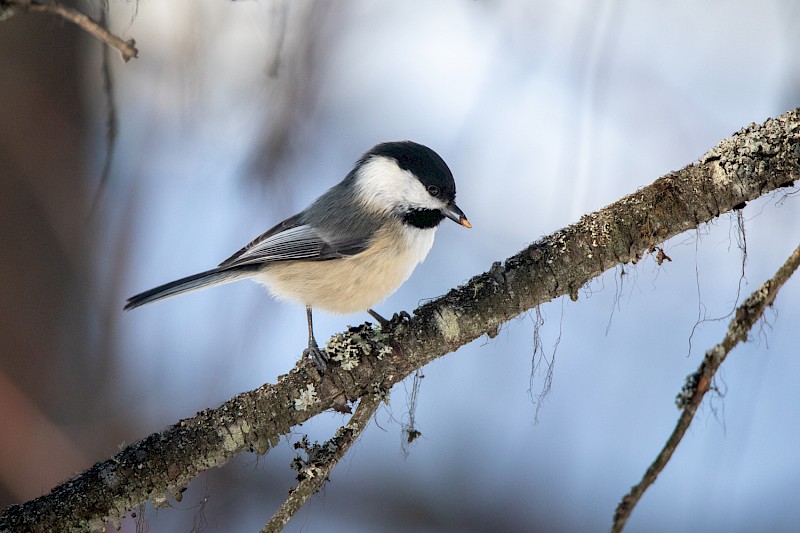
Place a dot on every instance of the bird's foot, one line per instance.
(318, 357)
(397, 318)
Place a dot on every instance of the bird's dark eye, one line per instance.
(433, 190)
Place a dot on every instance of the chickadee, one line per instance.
(353, 246)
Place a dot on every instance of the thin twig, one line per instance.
(700, 382)
(126, 48)
(315, 474)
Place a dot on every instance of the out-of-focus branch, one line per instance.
(755, 161)
(126, 48)
(322, 458)
(699, 383)
(111, 119)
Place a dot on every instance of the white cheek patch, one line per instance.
(383, 186)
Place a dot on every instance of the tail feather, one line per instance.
(208, 278)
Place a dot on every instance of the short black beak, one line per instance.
(455, 214)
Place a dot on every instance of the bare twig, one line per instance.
(126, 48)
(316, 471)
(700, 382)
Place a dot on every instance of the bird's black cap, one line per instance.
(424, 163)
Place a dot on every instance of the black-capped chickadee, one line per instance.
(353, 246)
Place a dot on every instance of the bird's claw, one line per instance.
(396, 319)
(318, 357)
(399, 318)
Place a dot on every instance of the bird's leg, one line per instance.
(396, 318)
(313, 351)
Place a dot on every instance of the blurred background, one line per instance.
(237, 114)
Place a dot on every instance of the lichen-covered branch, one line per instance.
(321, 460)
(755, 161)
(699, 383)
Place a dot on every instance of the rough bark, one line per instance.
(755, 161)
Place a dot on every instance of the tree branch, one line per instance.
(321, 461)
(699, 383)
(126, 48)
(756, 160)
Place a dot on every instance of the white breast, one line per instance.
(355, 283)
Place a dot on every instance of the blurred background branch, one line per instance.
(127, 48)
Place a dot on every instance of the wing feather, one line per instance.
(291, 240)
